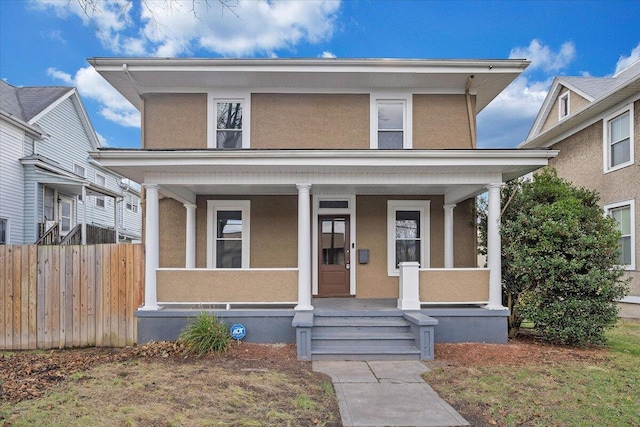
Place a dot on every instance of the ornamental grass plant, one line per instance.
(205, 333)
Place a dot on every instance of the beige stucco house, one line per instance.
(292, 194)
(594, 123)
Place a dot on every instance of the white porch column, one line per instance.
(494, 251)
(304, 248)
(190, 241)
(151, 243)
(409, 295)
(448, 236)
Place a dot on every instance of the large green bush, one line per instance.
(559, 260)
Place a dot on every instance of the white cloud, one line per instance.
(327, 54)
(103, 141)
(542, 57)
(174, 28)
(625, 61)
(506, 121)
(113, 106)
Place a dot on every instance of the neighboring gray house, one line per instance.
(594, 123)
(51, 191)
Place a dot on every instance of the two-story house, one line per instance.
(280, 190)
(594, 124)
(51, 191)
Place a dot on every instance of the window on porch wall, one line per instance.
(407, 233)
(228, 234)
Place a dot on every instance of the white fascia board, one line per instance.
(572, 88)
(30, 129)
(545, 108)
(53, 105)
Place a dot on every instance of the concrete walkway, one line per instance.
(387, 393)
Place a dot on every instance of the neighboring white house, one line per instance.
(48, 182)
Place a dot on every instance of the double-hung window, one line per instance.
(623, 213)
(407, 233)
(228, 121)
(618, 139)
(228, 228)
(101, 181)
(391, 121)
(79, 170)
(132, 202)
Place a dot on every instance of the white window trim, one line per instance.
(605, 139)
(631, 203)
(408, 205)
(213, 206)
(96, 198)
(560, 101)
(134, 202)
(407, 99)
(80, 166)
(227, 96)
(7, 236)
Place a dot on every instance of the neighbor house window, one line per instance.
(48, 204)
(4, 231)
(101, 181)
(618, 139)
(407, 233)
(624, 215)
(228, 225)
(391, 122)
(131, 202)
(563, 105)
(228, 120)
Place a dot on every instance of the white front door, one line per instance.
(65, 215)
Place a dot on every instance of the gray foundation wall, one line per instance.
(262, 326)
(276, 325)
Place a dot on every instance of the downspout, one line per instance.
(472, 122)
(125, 68)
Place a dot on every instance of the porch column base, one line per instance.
(150, 308)
(409, 292)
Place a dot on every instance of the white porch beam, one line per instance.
(180, 194)
(190, 241)
(152, 241)
(304, 247)
(494, 251)
(448, 236)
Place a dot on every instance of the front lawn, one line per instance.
(536, 384)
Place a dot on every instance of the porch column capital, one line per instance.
(190, 240)
(304, 248)
(448, 236)
(494, 250)
(494, 185)
(152, 241)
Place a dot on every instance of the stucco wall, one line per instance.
(576, 103)
(464, 235)
(172, 217)
(176, 120)
(581, 161)
(440, 286)
(441, 121)
(326, 121)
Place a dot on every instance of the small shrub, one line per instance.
(205, 333)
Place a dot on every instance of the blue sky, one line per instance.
(46, 42)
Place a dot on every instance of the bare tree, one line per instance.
(91, 7)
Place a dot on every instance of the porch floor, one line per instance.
(348, 304)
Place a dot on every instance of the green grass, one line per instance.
(570, 391)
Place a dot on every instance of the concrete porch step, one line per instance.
(361, 321)
(367, 353)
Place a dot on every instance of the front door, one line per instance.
(65, 215)
(334, 256)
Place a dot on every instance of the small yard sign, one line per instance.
(238, 331)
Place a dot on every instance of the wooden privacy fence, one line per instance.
(69, 296)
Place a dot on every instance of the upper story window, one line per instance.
(563, 106)
(131, 202)
(102, 182)
(228, 121)
(79, 170)
(624, 214)
(618, 139)
(391, 121)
